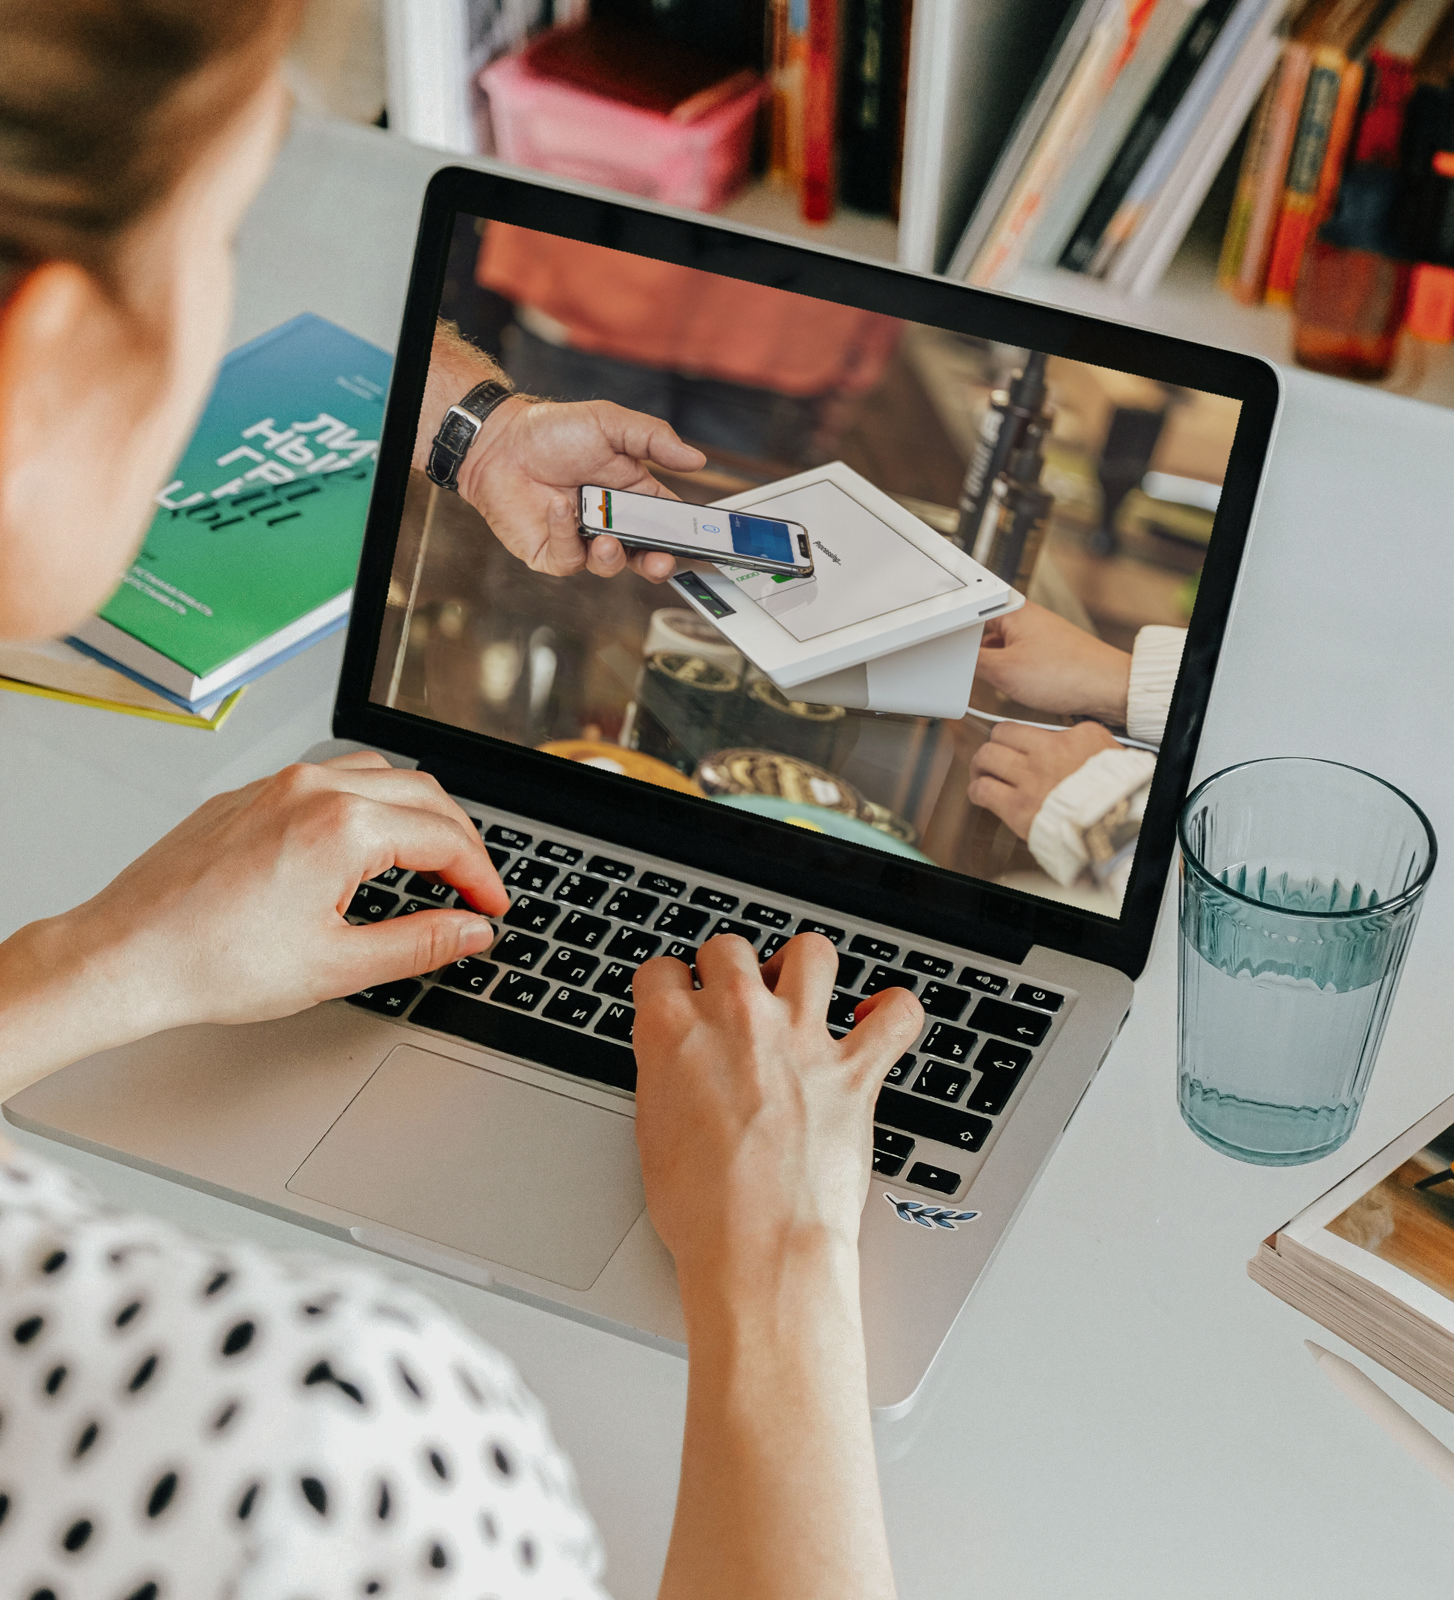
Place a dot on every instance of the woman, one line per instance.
(186, 1419)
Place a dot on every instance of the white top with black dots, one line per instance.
(181, 1420)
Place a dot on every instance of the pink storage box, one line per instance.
(556, 127)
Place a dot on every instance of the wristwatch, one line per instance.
(457, 432)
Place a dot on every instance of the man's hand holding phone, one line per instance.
(697, 532)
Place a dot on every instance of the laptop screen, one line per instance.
(918, 462)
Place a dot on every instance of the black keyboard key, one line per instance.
(520, 991)
(579, 929)
(518, 1034)
(1004, 1058)
(891, 1143)
(840, 1009)
(659, 883)
(571, 1007)
(949, 1044)
(887, 1166)
(875, 949)
(768, 916)
(389, 999)
(569, 966)
(372, 904)
(1011, 1022)
(535, 877)
(1030, 995)
(934, 966)
(714, 900)
(929, 1120)
(411, 906)
(682, 922)
(943, 1082)
(617, 1022)
(427, 888)
(889, 978)
(604, 867)
(578, 890)
(530, 913)
(985, 982)
(743, 930)
(771, 945)
(519, 950)
(615, 980)
(829, 932)
(901, 1070)
(631, 944)
(389, 878)
(630, 905)
(498, 857)
(923, 1176)
(850, 970)
(939, 1000)
(566, 854)
(470, 976)
(681, 952)
(507, 837)
(1001, 1068)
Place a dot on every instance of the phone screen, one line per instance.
(718, 535)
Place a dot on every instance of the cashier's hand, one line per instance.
(1045, 662)
(1014, 769)
(523, 472)
(753, 1121)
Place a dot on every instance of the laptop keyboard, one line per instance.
(555, 987)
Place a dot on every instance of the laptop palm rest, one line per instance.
(482, 1163)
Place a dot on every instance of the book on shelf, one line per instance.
(1373, 1259)
(55, 670)
(820, 112)
(251, 554)
(868, 116)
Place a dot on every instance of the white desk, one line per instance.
(1122, 1413)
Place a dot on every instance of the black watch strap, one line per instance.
(457, 431)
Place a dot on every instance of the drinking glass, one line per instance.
(1301, 883)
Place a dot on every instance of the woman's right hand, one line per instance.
(1047, 663)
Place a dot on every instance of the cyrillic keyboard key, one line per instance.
(949, 1044)
(566, 854)
(390, 999)
(850, 969)
(887, 1166)
(935, 966)
(615, 980)
(829, 932)
(371, 904)
(414, 904)
(889, 978)
(535, 877)
(985, 982)
(929, 1120)
(508, 837)
(528, 912)
(1011, 1022)
(894, 1144)
(604, 867)
(575, 889)
(743, 930)
(630, 905)
(427, 888)
(714, 900)
(768, 916)
(771, 945)
(579, 929)
(389, 878)
(617, 1022)
(470, 976)
(519, 950)
(519, 990)
(516, 1034)
(1001, 1067)
(901, 1071)
(840, 1009)
(1028, 994)
(926, 1177)
(498, 857)
(874, 949)
(631, 944)
(939, 1000)
(659, 883)
(569, 966)
(681, 952)
(570, 1007)
(682, 922)
(943, 1082)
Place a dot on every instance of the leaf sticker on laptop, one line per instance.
(929, 1216)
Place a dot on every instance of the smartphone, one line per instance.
(733, 538)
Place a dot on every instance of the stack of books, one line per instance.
(251, 554)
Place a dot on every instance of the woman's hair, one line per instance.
(105, 103)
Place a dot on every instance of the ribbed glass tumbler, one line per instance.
(1301, 883)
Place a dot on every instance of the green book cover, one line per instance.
(264, 517)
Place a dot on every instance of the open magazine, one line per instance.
(1373, 1259)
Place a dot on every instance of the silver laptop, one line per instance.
(642, 785)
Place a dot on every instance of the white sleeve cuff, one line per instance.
(1057, 833)
(1155, 662)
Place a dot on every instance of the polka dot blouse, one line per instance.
(182, 1420)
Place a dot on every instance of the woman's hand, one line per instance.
(1045, 662)
(1014, 769)
(238, 914)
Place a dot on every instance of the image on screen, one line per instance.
(726, 533)
(1090, 490)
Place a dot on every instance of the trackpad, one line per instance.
(482, 1163)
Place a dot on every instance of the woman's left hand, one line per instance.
(1016, 768)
